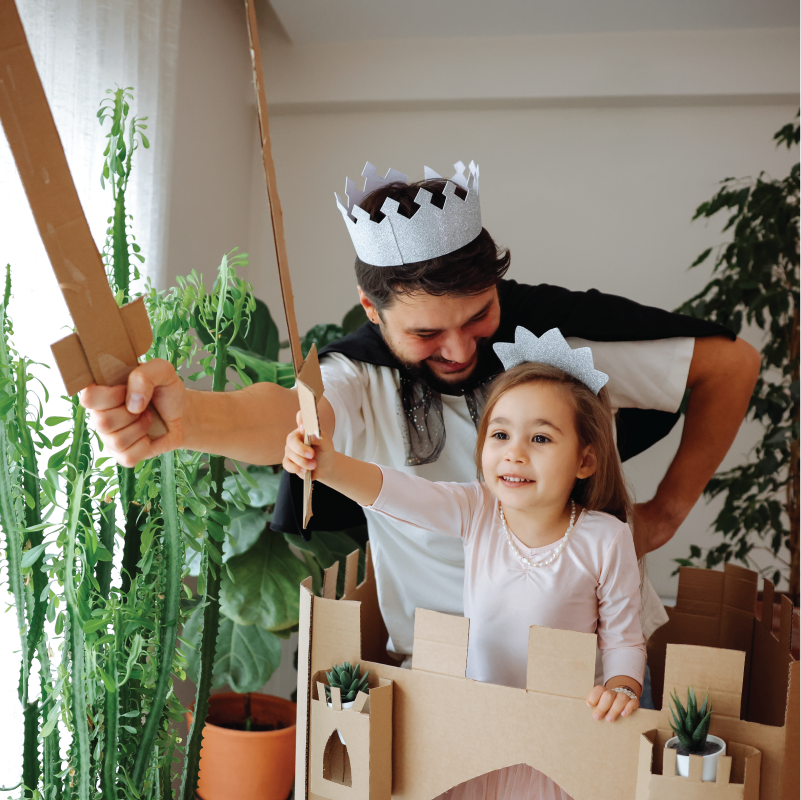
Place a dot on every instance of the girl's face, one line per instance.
(532, 454)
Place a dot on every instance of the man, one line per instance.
(406, 391)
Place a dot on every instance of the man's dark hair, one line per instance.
(471, 269)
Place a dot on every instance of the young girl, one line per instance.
(544, 530)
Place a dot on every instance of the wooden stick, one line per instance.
(309, 378)
(108, 339)
(276, 215)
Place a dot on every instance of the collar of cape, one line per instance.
(589, 315)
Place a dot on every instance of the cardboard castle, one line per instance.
(423, 730)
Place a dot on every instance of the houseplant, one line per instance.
(96, 555)
(259, 589)
(248, 748)
(346, 678)
(756, 282)
(691, 726)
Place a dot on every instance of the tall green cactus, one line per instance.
(220, 315)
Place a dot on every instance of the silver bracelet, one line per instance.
(625, 690)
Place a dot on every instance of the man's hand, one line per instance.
(121, 416)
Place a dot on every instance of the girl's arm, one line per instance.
(358, 480)
(620, 636)
(443, 508)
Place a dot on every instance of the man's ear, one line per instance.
(367, 305)
(589, 463)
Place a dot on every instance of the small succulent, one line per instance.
(346, 677)
(691, 726)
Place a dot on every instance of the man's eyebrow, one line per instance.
(536, 423)
(475, 316)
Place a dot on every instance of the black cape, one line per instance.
(587, 315)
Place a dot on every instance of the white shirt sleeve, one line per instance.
(648, 374)
(346, 384)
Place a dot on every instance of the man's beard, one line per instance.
(422, 371)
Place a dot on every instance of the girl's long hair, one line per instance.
(605, 490)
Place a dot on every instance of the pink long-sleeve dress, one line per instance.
(593, 586)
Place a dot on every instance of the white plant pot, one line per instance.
(345, 707)
(709, 771)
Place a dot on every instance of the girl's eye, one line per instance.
(540, 439)
(500, 435)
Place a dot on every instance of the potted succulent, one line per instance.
(691, 726)
(346, 678)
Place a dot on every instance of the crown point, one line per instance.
(423, 197)
(389, 206)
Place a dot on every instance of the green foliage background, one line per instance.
(756, 282)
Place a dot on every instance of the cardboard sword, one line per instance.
(309, 379)
(108, 340)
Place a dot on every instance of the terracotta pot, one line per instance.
(247, 765)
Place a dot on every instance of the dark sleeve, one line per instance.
(332, 510)
(593, 315)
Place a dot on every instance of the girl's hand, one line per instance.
(299, 456)
(606, 703)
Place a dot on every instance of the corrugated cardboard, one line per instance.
(310, 380)
(108, 340)
(738, 772)
(447, 729)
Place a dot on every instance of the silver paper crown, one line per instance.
(551, 348)
(431, 231)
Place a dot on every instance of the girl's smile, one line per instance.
(532, 458)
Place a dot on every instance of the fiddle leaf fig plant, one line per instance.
(756, 282)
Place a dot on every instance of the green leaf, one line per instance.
(264, 370)
(265, 589)
(246, 655)
(354, 319)
(321, 335)
(246, 527)
(52, 719)
(30, 557)
(328, 547)
(266, 491)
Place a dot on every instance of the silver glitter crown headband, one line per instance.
(551, 348)
(431, 231)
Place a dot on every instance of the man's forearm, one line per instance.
(722, 378)
(248, 425)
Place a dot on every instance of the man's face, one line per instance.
(438, 336)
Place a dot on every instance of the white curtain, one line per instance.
(81, 48)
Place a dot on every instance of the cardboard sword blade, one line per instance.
(108, 339)
(309, 379)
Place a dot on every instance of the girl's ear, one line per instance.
(589, 463)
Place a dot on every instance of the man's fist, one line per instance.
(121, 416)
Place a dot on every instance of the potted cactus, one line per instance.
(346, 678)
(691, 726)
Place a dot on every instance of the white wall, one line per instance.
(595, 151)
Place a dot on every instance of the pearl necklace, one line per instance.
(561, 546)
